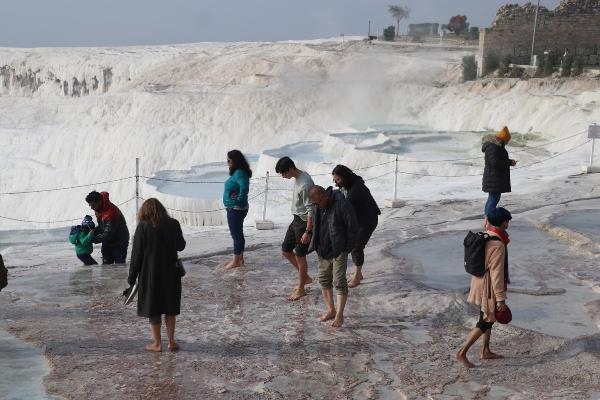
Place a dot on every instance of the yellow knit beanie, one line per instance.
(504, 135)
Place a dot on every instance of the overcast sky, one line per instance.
(42, 23)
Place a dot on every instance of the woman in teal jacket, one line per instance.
(235, 199)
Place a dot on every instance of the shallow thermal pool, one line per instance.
(544, 295)
(200, 181)
(584, 221)
(23, 367)
(33, 236)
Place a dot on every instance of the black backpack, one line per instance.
(475, 252)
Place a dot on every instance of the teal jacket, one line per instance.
(82, 241)
(238, 183)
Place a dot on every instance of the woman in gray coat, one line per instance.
(157, 240)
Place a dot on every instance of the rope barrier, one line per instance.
(288, 189)
(554, 156)
(56, 221)
(178, 181)
(314, 175)
(208, 211)
(67, 187)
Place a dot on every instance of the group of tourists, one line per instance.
(333, 223)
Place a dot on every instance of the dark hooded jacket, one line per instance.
(153, 265)
(496, 173)
(339, 225)
(360, 197)
(112, 227)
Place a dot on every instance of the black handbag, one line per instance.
(180, 269)
(3, 274)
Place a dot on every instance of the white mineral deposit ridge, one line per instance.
(180, 108)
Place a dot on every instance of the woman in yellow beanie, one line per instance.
(496, 173)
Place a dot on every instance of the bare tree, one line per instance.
(399, 13)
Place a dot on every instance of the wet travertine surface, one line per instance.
(241, 338)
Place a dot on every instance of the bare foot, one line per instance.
(231, 265)
(154, 347)
(338, 321)
(297, 294)
(355, 281)
(490, 356)
(173, 346)
(307, 281)
(464, 360)
(328, 316)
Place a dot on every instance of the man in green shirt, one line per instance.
(297, 238)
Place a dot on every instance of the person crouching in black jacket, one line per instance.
(333, 238)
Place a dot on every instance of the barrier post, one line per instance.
(137, 185)
(394, 202)
(593, 133)
(265, 224)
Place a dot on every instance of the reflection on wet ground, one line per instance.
(242, 339)
(22, 367)
(542, 295)
(585, 221)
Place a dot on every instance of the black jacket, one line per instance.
(112, 227)
(496, 173)
(153, 265)
(342, 225)
(360, 197)
(112, 232)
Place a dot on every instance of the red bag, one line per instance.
(503, 317)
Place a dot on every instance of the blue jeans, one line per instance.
(235, 220)
(114, 254)
(492, 202)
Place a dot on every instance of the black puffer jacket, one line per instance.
(361, 199)
(342, 226)
(496, 173)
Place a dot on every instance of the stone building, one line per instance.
(573, 25)
(425, 29)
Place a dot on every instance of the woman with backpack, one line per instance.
(489, 291)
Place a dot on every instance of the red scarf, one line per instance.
(500, 232)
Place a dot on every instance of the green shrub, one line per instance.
(469, 68)
(504, 65)
(566, 64)
(389, 33)
(577, 66)
(491, 62)
(548, 64)
(539, 66)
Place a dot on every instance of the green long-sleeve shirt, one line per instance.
(82, 241)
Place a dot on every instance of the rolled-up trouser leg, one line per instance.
(325, 273)
(340, 264)
(482, 324)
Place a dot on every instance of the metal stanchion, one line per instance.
(394, 202)
(593, 133)
(265, 224)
